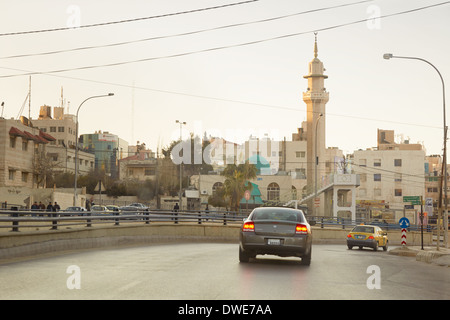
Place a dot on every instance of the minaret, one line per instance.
(315, 98)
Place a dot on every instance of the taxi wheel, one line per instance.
(385, 247)
(375, 247)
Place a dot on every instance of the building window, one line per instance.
(12, 142)
(149, 171)
(377, 163)
(273, 191)
(60, 129)
(398, 177)
(24, 145)
(397, 162)
(362, 162)
(24, 176)
(377, 177)
(398, 192)
(12, 174)
(300, 154)
(362, 192)
(52, 129)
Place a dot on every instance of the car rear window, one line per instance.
(364, 229)
(282, 215)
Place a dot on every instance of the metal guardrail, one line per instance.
(15, 220)
(348, 223)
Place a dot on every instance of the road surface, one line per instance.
(200, 271)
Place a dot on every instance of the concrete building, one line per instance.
(390, 171)
(21, 149)
(108, 148)
(140, 165)
(62, 150)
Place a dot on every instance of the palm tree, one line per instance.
(235, 182)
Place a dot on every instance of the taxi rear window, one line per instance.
(364, 229)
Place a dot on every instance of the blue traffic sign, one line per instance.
(404, 222)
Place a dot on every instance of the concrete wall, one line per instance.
(29, 243)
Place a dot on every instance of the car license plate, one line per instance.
(360, 237)
(274, 242)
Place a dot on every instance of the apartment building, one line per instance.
(108, 148)
(62, 127)
(141, 164)
(21, 149)
(390, 171)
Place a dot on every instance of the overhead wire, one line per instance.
(182, 54)
(183, 33)
(127, 20)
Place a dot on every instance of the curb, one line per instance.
(430, 256)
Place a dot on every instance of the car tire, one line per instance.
(375, 246)
(306, 259)
(349, 247)
(385, 247)
(243, 256)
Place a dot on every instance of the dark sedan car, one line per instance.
(276, 231)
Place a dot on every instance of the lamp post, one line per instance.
(316, 159)
(388, 56)
(181, 163)
(76, 145)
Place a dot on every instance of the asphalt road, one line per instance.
(200, 271)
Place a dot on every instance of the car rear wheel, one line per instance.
(375, 247)
(306, 260)
(243, 256)
(385, 247)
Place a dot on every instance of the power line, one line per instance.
(278, 107)
(181, 34)
(127, 20)
(120, 63)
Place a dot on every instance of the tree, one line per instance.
(235, 182)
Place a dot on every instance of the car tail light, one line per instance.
(301, 229)
(371, 237)
(248, 226)
(349, 235)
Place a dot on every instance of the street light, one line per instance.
(388, 56)
(181, 140)
(316, 159)
(76, 145)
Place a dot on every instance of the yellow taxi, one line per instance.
(367, 236)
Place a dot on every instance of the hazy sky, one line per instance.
(238, 90)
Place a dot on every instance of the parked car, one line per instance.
(99, 209)
(112, 208)
(75, 209)
(277, 231)
(140, 206)
(367, 236)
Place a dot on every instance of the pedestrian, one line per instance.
(176, 207)
(34, 207)
(56, 207)
(50, 207)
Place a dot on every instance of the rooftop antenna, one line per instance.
(29, 100)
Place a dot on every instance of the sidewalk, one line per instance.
(428, 254)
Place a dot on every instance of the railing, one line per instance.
(338, 222)
(15, 220)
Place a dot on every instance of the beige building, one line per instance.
(140, 165)
(21, 147)
(390, 171)
(62, 150)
